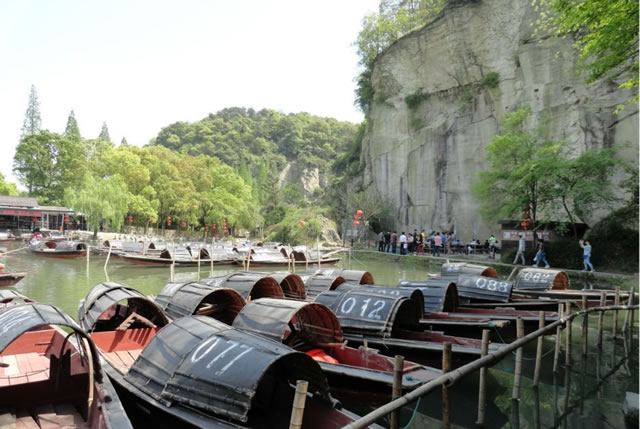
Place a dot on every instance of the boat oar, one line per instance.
(14, 250)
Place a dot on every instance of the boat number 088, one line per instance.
(350, 303)
(483, 283)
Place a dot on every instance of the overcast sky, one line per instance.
(142, 65)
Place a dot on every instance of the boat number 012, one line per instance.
(537, 277)
(483, 283)
(351, 303)
(233, 351)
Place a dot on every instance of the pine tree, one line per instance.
(32, 121)
(104, 133)
(124, 142)
(72, 129)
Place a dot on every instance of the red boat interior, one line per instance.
(45, 382)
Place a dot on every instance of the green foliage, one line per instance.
(466, 97)
(104, 133)
(491, 80)
(289, 230)
(414, 100)
(379, 30)
(417, 123)
(72, 129)
(8, 188)
(48, 163)
(522, 166)
(605, 33)
(124, 142)
(32, 121)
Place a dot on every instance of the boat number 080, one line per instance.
(483, 283)
(234, 351)
(349, 304)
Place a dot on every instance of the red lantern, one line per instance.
(215, 226)
(168, 220)
(356, 217)
(356, 222)
(66, 218)
(130, 219)
(206, 227)
(301, 223)
(224, 226)
(359, 212)
(183, 224)
(525, 224)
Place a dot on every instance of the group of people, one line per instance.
(434, 243)
(542, 257)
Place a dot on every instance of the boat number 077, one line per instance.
(350, 303)
(233, 351)
(483, 283)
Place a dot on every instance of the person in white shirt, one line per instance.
(403, 243)
(520, 250)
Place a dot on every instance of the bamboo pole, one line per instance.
(248, 259)
(515, 393)
(615, 313)
(17, 250)
(625, 325)
(556, 352)
(396, 392)
(297, 412)
(318, 249)
(199, 252)
(603, 298)
(211, 254)
(106, 262)
(482, 388)
(585, 326)
(446, 367)
(567, 356)
(536, 372)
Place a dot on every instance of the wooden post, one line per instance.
(350, 266)
(318, 249)
(518, 369)
(199, 252)
(536, 372)
(626, 316)
(585, 326)
(446, 367)
(556, 353)
(482, 388)
(567, 357)
(88, 252)
(248, 259)
(297, 412)
(603, 298)
(396, 392)
(211, 257)
(615, 312)
(108, 255)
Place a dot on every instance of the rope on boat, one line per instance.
(413, 416)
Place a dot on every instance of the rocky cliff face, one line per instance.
(424, 159)
(310, 179)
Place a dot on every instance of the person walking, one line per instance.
(387, 241)
(394, 242)
(586, 255)
(520, 252)
(540, 255)
(381, 242)
(437, 241)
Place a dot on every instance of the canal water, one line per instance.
(589, 394)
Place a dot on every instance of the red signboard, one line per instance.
(20, 212)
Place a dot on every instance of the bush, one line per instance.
(491, 80)
(415, 99)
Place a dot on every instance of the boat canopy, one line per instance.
(438, 294)
(316, 283)
(106, 296)
(291, 284)
(186, 299)
(461, 267)
(541, 279)
(204, 364)
(248, 284)
(414, 294)
(9, 297)
(60, 246)
(351, 276)
(362, 311)
(16, 320)
(294, 323)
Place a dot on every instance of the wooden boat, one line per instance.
(391, 323)
(51, 378)
(318, 280)
(8, 237)
(197, 371)
(58, 249)
(304, 326)
(262, 257)
(9, 279)
(248, 284)
(181, 257)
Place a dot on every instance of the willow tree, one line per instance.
(100, 199)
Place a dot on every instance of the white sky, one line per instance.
(142, 65)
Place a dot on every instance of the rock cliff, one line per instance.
(477, 61)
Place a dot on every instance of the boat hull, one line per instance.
(60, 255)
(9, 279)
(324, 263)
(162, 262)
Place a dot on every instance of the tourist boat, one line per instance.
(8, 237)
(392, 323)
(49, 377)
(308, 327)
(320, 279)
(58, 249)
(179, 256)
(197, 371)
(298, 256)
(9, 279)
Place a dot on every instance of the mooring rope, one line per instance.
(514, 352)
(413, 416)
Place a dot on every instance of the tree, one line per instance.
(605, 32)
(8, 188)
(104, 133)
(100, 199)
(72, 129)
(582, 185)
(32, 121)
(522, 166)
(124, 142)
(47, 163)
